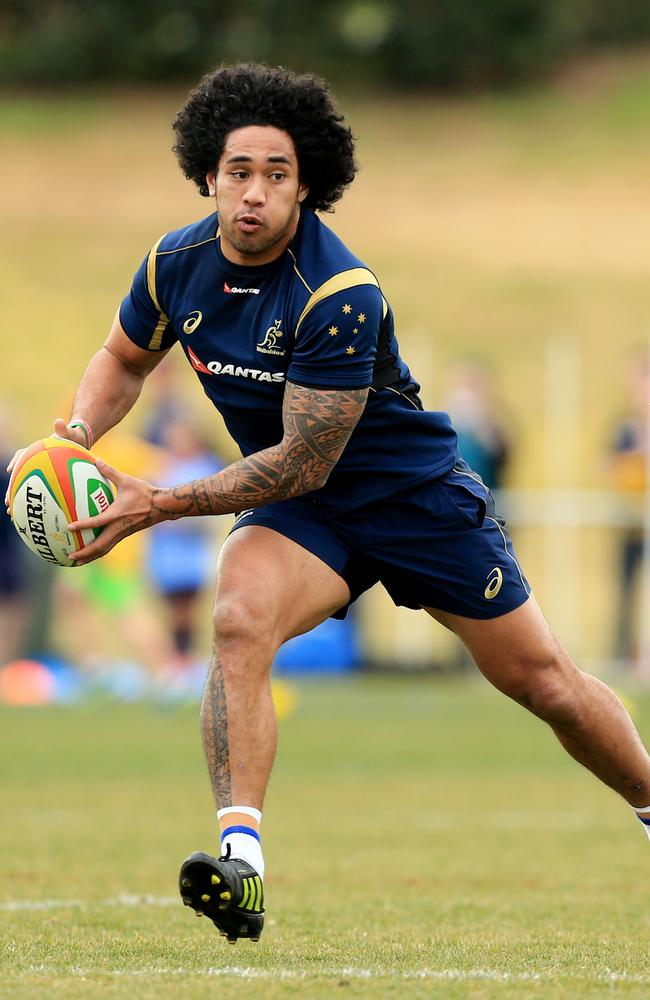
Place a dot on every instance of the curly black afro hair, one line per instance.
(232, 97)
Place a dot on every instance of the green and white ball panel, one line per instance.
(92, 494)
(54, 483)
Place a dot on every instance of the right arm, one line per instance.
(109, 387)
(112, 381)
(114, 378)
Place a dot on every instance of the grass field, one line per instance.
(423, 838)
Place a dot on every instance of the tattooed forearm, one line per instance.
(214, 731)
(201, 496)
(317, 426)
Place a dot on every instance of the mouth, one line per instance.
(248, 223)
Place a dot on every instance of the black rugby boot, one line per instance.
(227, 890)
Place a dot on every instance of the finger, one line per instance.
(114, 475)
(97, 548)
(60, 427)
(10, 468)
(92, 523)
(89, 553)
(61, 430)
(15, 459)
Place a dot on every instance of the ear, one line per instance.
(211, 181)
(303, 191)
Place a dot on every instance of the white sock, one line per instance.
(644, 815)
(244, 840)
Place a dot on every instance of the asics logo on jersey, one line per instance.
(192, 321)
(269, 345)
(494, 584)
(231, 290)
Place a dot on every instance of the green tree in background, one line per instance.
(451, 44)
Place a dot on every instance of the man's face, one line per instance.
(258, 193)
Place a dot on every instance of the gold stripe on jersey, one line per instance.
(163, 321)
(338, 283)
(157, 335)
(295, 267)
(190, 246)
(151, 273)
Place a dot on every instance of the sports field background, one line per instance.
(424, 837)
(496, 223)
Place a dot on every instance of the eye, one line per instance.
(277, 175)
(241, 175)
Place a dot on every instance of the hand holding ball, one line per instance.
(54, 483)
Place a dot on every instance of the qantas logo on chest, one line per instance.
(231, 290)
(238, 371)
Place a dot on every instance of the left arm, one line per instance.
(317, 425)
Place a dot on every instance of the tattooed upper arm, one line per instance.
(317, 426)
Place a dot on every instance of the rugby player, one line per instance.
(345, 479)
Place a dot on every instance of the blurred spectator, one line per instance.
(482, 442)
(627, 466)
(181, 555)
(14, 602)
(164, 403)
(476, 414)
(110, 595)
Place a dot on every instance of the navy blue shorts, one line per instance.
(438, 544)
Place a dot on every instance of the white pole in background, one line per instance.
(417, 639)
(562, 567)
(644, 607)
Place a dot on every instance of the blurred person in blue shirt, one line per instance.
(181, 554)
(482, 438)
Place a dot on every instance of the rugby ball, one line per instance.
(53, 483)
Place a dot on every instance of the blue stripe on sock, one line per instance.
(243, 829)
(646, 822)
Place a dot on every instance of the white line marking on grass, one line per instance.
(79, 904)
(239, 972)
(441, 975)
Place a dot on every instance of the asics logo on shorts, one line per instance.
(494, 584)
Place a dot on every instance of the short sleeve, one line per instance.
(336, 340)
(141, 315)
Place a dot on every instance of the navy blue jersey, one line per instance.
(315, 317)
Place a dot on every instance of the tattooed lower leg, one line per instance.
(214, 731)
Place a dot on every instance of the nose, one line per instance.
(255, 193)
